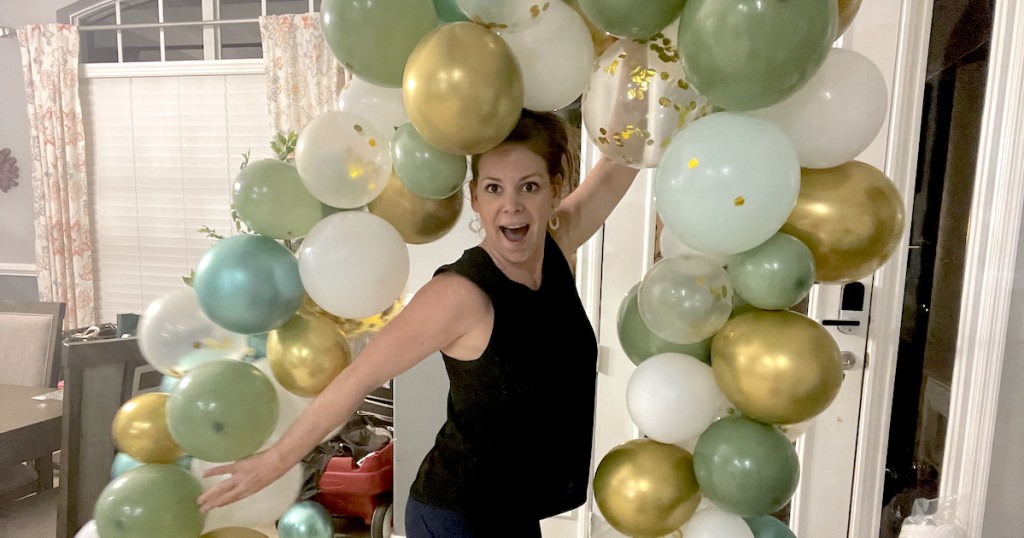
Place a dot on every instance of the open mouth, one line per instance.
(515, 233)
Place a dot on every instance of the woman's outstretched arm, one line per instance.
(584, 211)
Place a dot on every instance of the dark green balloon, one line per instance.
(633, 20)
(425, 170)
(449, 11)
(373, 38)
(640, 343)
(151, 500)
(768, 527)
(222, 410)
(774, 275)
(750, 54)
(271, 200)
(248, 284)
(746, 467)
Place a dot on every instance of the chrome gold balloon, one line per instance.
(646, 488)
(418, 220)
(850, 216)
(139, 429)
(307, 352)
(463, 89)
(778, 367)
(847, 11)
(233, 532)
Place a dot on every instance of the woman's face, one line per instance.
(515, 199)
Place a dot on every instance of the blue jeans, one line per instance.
(426, 521)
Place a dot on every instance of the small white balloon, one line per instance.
(673, 397)
(261, 509)
(713, 522)
(672, 247)
(354, 264)
(383, 107)
(88, 530)
(555, 55)
(502, 15)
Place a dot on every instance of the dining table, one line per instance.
(30, 429)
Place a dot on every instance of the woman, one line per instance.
(517, 344)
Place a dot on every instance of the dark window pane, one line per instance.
(140, 11)
(140, 45)
(239, 9)
(316, 6)
(183, 10)
(105, 15)
(284, 7)
(183, 43)
(240, 41)
(98, 47)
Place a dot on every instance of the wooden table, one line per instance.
(30, 430)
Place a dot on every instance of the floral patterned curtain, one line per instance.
(49, 57)
(303, 77)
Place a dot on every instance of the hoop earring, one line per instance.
(476, 226)
(554, 222)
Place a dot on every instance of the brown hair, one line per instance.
(548, 135)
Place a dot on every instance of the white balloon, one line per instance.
(672, 247)
(88, 530)
(713, 522)
(836, 115)
(290, 405)
(175, 335)
(504, 14)
(354, 264)
(343, 159)
(673, 397)
(381, 106)
(555, 56)
(261, 509)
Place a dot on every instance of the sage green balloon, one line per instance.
(449, 11)
(749, 54)
(768, 527)
(774, 275)
(633, 20)
(373, 38)
(152, 500)
(222, 411)
(425, 170)
(271, 200)
(640, 343)
(746, 467)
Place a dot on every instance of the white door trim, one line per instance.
(988, 274)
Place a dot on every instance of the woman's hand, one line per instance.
(247, 476)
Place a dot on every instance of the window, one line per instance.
(121, 31)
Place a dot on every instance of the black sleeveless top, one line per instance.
(520, 420)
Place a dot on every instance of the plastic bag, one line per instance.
(933, 518)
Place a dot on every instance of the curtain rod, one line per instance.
(163, 25)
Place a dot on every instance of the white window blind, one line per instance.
(162, 153)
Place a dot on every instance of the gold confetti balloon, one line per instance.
(418, 220)
(646, 488)
(463, 89)
(307, 352)
(139, 429)
(638, 98)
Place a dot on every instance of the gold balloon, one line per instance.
(140, 429)
(777, 367)
(463, 89)
(646, 488)
(307, 352)
(847, 11)
(418, 220)
(850, 216)
(233, 532)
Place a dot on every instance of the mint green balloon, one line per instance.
(746, 467)
(449, 11)
(640, 343)
(222, 411)
(774, 275)
(306, 519)
(151, 500)
(750, 54)
(271, 200)
(632, 20)
(248, 284)
(768, 527)
(425, 170)
(373, 38)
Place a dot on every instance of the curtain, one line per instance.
(63, 244)
(303, 76)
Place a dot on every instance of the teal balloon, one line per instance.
(746, 467)
(425, 170)
(449, 11)
(774, 275)
(257, 344)
(768, 527)
(248, 284)
(306, 519)
(750, 54)
(168, 383)
(726, 184)
(269, 197)
(631, 19)
(151, 500)
(373, 39)
(640, 343)
(122, 463)
(222, 411)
